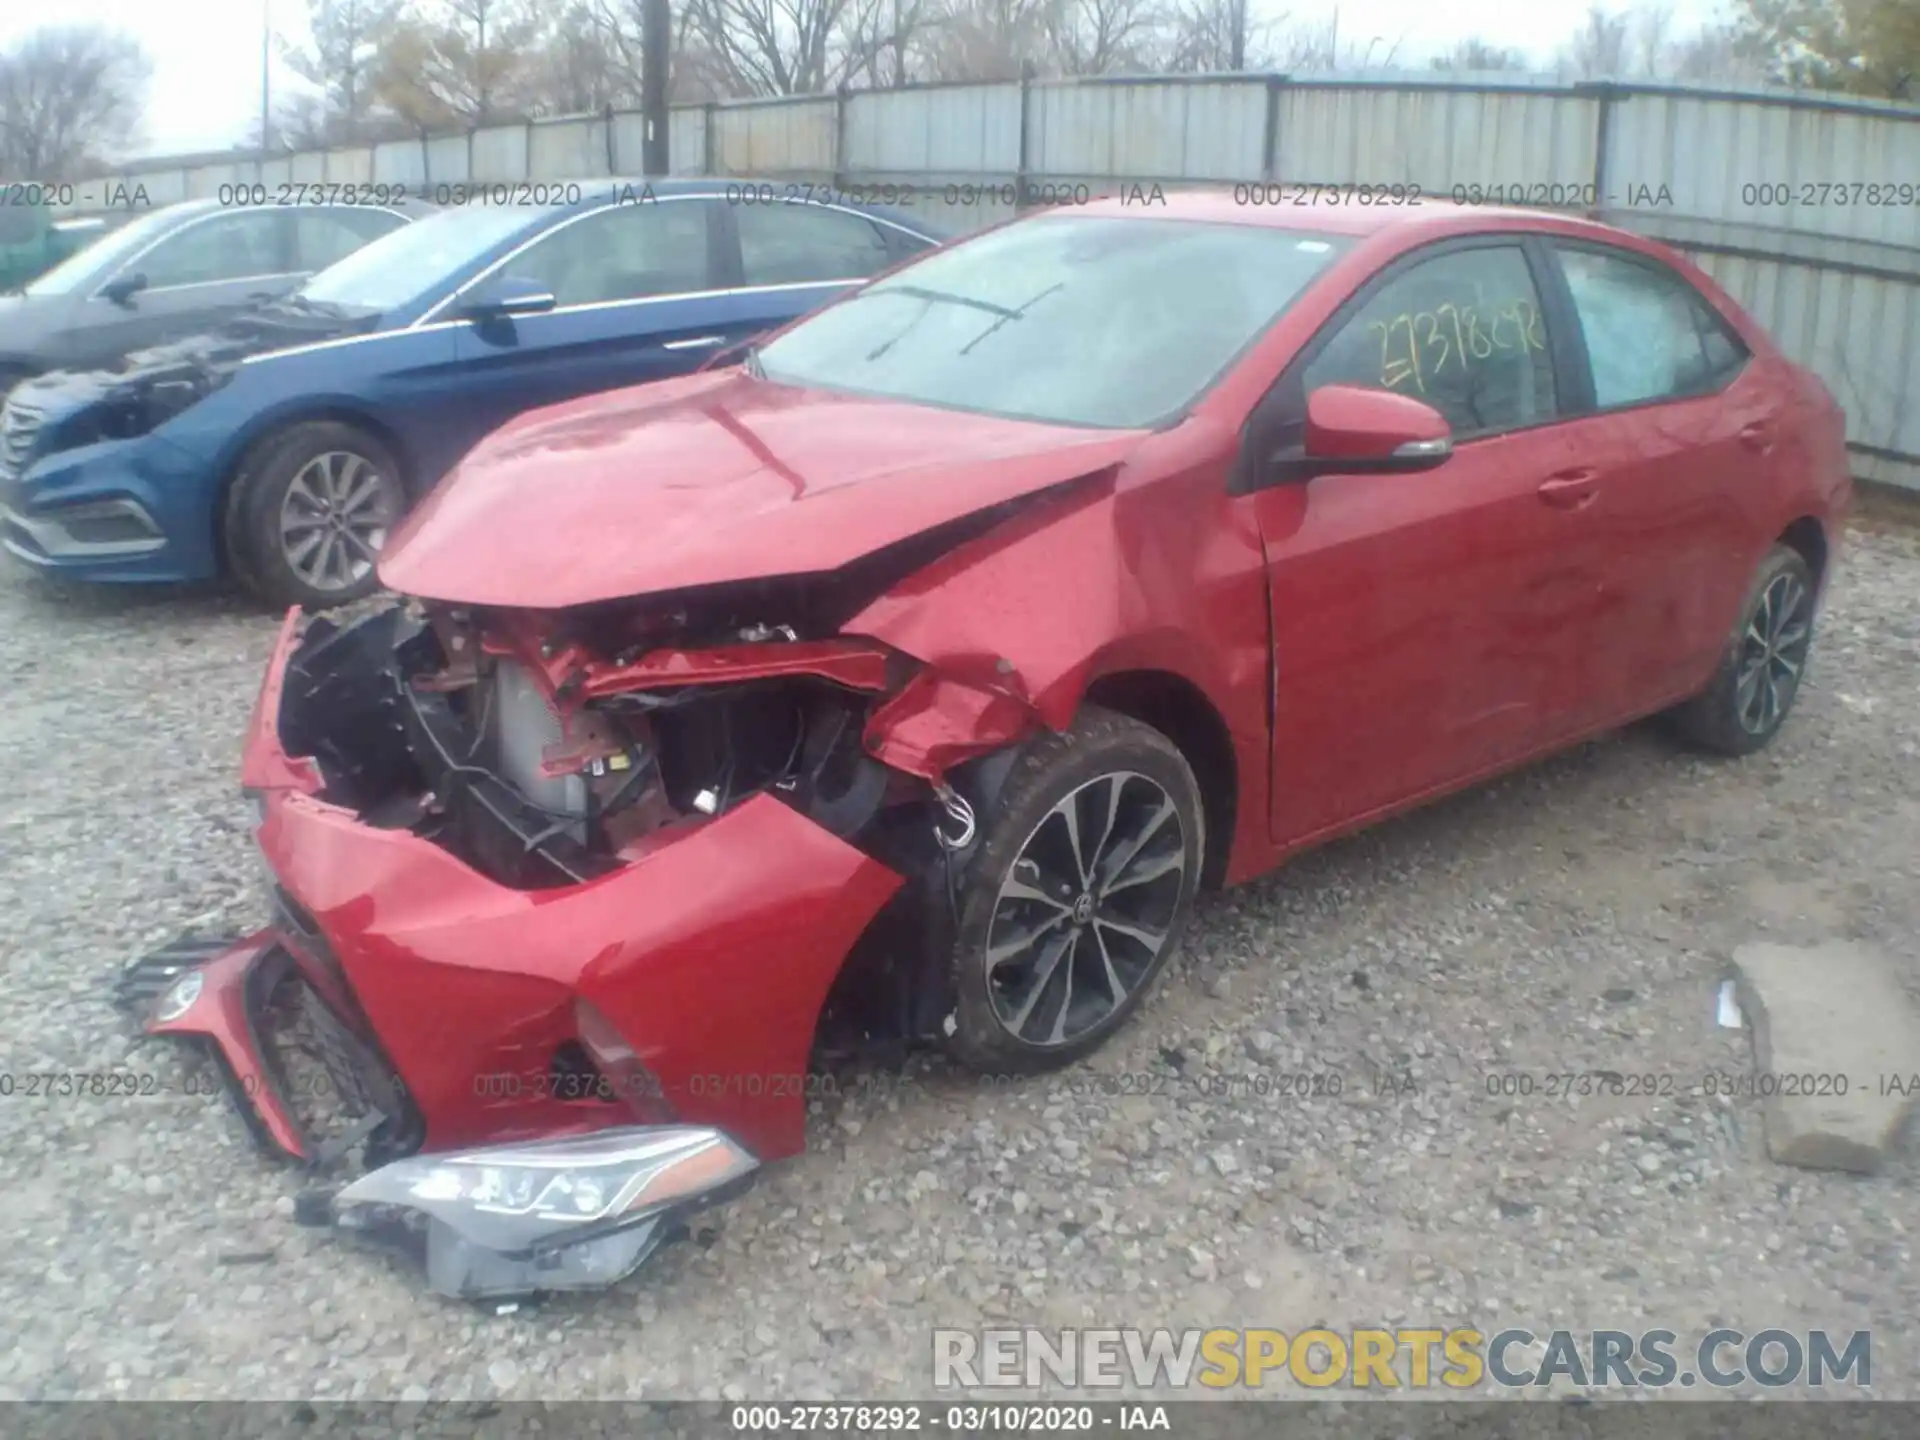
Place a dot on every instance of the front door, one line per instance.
(1424, 624)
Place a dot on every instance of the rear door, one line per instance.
(210, 268)
(1678, 420)
(1423, 624)
(636, 299)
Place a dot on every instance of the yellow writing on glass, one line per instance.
(1422, 345)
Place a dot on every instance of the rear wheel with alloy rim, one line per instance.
(310, 512)
(1078, 896)
(1760, 671)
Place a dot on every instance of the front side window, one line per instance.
(1085, 320)
(1463, 331)
(227, 247)
(1649, 334)
(624, 252)
(90, 266)
(323, 236)
(793, 243)
(412, 262)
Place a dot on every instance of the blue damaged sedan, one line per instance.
(282, 448)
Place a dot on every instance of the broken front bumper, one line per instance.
(577, 1212)
(408, 1006)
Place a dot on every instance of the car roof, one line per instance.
(1339, 210)
(180, 210)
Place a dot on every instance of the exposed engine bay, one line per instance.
(546, 756)
(542, 763)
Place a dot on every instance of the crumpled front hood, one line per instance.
(255, 332)
(210, 358)
(709, 479)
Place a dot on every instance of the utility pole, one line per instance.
(656, 41)
(266, 50)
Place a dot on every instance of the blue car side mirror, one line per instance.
(501, 296)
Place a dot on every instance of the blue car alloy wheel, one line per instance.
(310, 512)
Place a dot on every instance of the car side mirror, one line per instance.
(122, 288)
(503, 296)
(1352, 430)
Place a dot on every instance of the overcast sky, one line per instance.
(206, 53)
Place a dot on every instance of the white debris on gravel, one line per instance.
(1573, 919)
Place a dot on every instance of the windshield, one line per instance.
(1077, 320)
(405, 264)
(90, 266)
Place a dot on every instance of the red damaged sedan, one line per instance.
(906, 682)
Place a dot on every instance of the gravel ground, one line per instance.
(1573, 917)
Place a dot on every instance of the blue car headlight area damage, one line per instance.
(570, 1214)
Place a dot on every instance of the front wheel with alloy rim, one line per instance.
(1078, 896)
(1759, 675)
(309, 513)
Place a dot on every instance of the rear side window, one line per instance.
(1462, 331)
(794, 243)
(1649, 335)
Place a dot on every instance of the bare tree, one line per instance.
(695, 73)
(1649, 40)
(1310, 49)
(1714, 54)
(988, 39)
(1217, 35)
(466, 62)
(340, 57)
(71, 98)
(1103, 37)
(582, 65)
(777, 47)
(1481, 55)
(884, 40)
(1599, 48)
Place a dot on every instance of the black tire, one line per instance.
(316, 454)
(1762, 667)
(1030, 828)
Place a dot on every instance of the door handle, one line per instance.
(1757, 437)
(704, 342)
(1570, 489)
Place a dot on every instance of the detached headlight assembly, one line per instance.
(568, 1214)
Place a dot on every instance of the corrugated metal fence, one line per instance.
(1807, 208)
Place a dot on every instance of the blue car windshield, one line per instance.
(407, 264)
(90, 266)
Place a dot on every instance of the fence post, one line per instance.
(1022, 166)
(1270, 138)
(840, 137)
(707, 114)
(1603, 92)
(613, 148)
